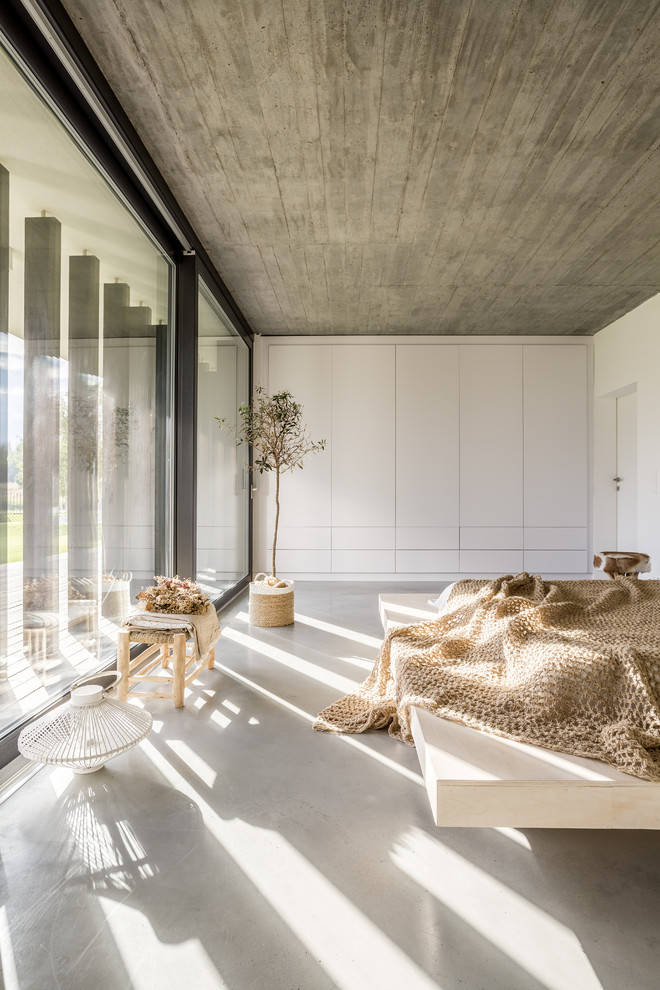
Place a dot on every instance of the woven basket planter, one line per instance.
(271, 605)
(116, 598)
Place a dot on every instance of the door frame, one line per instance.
(605, 462)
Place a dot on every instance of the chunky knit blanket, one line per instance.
(569, 665)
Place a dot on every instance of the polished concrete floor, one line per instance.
(235, 847)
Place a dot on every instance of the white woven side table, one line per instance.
(186, 665)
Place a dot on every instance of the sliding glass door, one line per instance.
(85, 400)
(222, 476)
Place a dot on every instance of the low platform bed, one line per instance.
(475, 779)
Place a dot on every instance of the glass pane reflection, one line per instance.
(222, 477)
(84, 407)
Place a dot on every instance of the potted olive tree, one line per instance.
(272, 426)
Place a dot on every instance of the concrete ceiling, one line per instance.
(382, 166)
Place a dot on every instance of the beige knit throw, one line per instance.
(569, 665)
(160, 627)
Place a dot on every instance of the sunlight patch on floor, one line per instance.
(59, 779)
(342, 684)
(8, 974)
(330, 627)
(349, 947)
(264, 692)
(111, 851)
(416, 778)
(514, 835)
(415, 614)
(540, 944)
(335, 630)
(220, 719)
(358, 662)
(197, 765)
(149, 961)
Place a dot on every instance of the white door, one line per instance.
(626, 472)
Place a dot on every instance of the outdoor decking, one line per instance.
(38, 664)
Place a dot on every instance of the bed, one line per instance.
(528, 755)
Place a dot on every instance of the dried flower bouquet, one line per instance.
(175, 596)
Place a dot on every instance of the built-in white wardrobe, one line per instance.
(446, 457)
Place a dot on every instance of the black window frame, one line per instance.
(122, 156)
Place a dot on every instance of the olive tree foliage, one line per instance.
(272, 426)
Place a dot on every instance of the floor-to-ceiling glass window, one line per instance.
(222, 476)
(85, 397)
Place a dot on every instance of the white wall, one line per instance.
(627, 357)
(446, 457)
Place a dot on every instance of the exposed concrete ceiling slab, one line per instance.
(483, 167)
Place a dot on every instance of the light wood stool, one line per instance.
(186, 665)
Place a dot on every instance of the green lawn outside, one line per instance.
(15, 541)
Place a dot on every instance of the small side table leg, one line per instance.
(165, 656)
(179, 665)
(123, 664)
(211, 660)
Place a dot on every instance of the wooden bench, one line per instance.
(474, 779)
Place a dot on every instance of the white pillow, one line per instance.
(441, 602)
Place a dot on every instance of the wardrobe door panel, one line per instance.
(427, 561)
(556, 538)
(304, 538)
(556, 561)
(362, 538)
(305, 371)
(555, 445)
(491, 538)
(363, 561)
(491, 435)
(363, 445)
(489, 561)
(304, 561)
(427, 538)
(427, 434)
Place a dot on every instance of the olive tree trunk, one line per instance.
(277, 517)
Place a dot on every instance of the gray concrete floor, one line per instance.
(237, 848)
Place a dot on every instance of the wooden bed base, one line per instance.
(475, 779)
